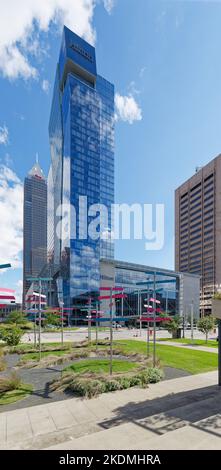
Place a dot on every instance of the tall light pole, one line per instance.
(62, 323)
(111, 331)
(39, 280)
(192, 322)
(154, 321)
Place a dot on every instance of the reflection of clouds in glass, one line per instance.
(97, 112)
(85, 275)
(50, 208)
(66, 178)
(56, 149)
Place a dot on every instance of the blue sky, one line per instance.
(165, 56)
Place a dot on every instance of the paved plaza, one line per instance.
(122, 333)
(181, 413)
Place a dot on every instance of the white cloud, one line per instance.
(132, 88)
(20, 42)
(6, 160)
(127, 109)
(3, 135)
(109, 5)
(45, 86)
(11, 216)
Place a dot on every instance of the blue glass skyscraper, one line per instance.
(81, 131)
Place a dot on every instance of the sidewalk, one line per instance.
(189, 346)
(125, 419)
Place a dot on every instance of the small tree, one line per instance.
(205, 325)
(52, 318)
(173, 326)
(16, 318)
(11, 336)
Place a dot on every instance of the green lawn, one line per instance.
(14, 395)
(35, 356)
(212, 343)
(192, 361)
(26, 346)
(101, 366)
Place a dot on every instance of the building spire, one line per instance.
(36, 170)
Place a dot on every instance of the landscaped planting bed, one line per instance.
(91, 377)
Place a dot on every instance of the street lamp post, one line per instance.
(154, 321)
(111, 331)
(39, 320)
(39, 280)
(192, 322)
(96, 327)
(89, 321)
(62, 323)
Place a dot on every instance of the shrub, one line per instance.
(12, 382)
(112, 385)
(124, 382)
(87, 388)
(135, 381)
(154, 375)
(11, 336)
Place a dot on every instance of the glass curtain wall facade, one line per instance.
(140, 288)
(82, 171)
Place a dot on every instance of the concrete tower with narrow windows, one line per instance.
(35, 225)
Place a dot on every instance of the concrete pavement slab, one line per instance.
(14, 429)
(80, 412)
(41, 420)
(61, 415)
(122, 437)
(188, 437)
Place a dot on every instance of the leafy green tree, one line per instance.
(173, 326)
(205, 325)
(52, 318)
(16, 318)
(11, 336)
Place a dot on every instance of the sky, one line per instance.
(164, 58)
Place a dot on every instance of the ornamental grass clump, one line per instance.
(12, 382)
(90, 385)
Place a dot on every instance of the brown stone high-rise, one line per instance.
(198, 229)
